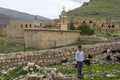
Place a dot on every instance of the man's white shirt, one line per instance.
(79, 56)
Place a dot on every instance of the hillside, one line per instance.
(7, 14)
(98, 9)
(4, 19)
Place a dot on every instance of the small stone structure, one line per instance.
(60, 24)
(3, 31)
(42, 38)
(16, 27)
(12, 40)
(51, 56)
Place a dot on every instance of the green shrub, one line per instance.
(85, 29)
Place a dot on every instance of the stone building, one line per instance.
(43, 38)
(97, 25)
(16, 27)
(63, 20)
(109, 28)
(53, 24)
(59, 24)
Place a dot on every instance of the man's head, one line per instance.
(79, 47)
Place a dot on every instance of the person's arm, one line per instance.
(83, 56)
(76, 55)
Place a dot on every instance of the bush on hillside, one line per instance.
(85, 29)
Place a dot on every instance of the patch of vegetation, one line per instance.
(85, 29)
(98, 9)
(12, 47)
(67, 70)
(95, 67)
(103, 35)
(18, 71)
(13, 74)
(94, 72)
(102, 67)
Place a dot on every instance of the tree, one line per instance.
(72, 25)
(85, 29)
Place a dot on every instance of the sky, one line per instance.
(47, 8)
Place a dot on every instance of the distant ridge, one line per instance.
(7, 14)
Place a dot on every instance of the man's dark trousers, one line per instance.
(79, 66)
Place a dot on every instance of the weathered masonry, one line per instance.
(51, 56)
(42, 38)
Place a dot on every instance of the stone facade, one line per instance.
(16, 27)
(3, 31)
(54, 24)
(109, 28)
(59, 24)
(8, 40)
(63, 20)
(49, 38)
(42, 38)
(97, 25)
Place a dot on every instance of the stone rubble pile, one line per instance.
(46, 73)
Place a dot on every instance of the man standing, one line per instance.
(79, 56)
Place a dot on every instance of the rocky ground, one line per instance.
(100, 69)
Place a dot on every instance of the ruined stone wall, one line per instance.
(93, 40)
(3, 31)
(8, 40)
(51, 56)
(88, 42)
(88, 37)
(16, 27)
(49, 38)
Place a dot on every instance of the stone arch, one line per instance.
(26, 26)
(21, 25)
(113, 26)
(40, 24)
(109, 26)
(30, 25)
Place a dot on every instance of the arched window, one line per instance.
(30, 25)
(40, 24)
(21, 26)
(26, 26)
(113, 26)
(102, 25)
(90, 21)
(109, 26)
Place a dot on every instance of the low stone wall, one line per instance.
(92, 37)
(8, 40)
(94, 41)
(51, 56)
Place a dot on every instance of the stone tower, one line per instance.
(63, 20)
(35, 17)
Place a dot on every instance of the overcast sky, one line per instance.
(47, 8)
